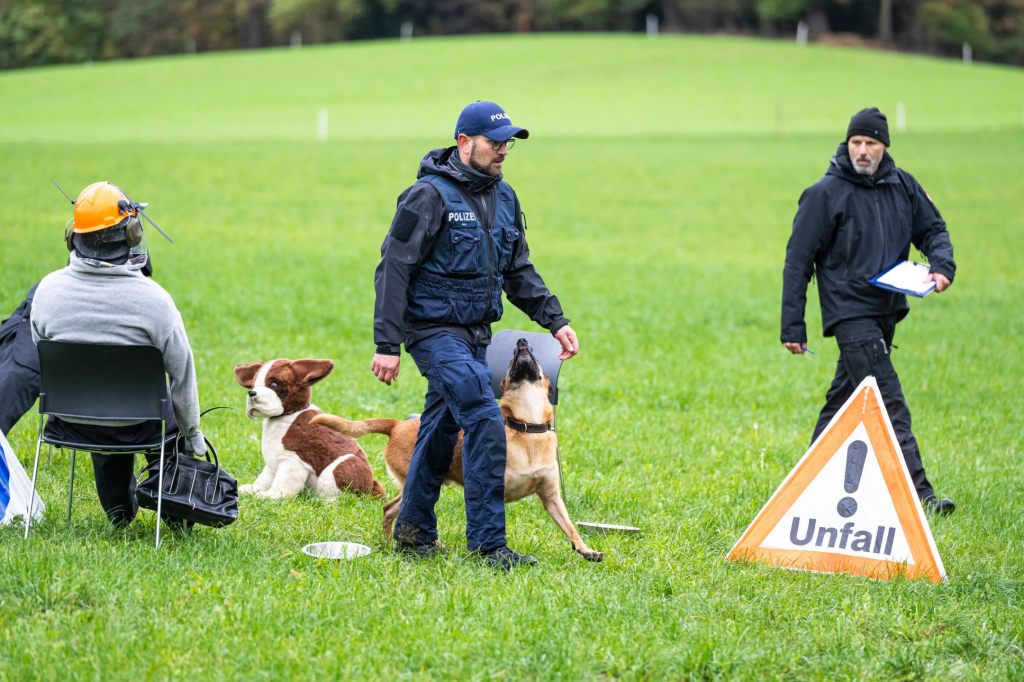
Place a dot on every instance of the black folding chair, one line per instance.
(101, 384)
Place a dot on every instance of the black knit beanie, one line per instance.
(870, 122)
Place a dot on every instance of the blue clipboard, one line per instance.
(905, 277)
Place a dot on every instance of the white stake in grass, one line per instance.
(321, 125)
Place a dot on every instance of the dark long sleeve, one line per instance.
(413, 230)
(929, 232)
(813, 227)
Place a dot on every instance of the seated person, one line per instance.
(103, 297)
(19, 362)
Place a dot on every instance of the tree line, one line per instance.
(39, 32)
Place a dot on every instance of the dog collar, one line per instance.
(523, 427)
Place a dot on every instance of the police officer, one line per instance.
(458, 239)
(859, 219)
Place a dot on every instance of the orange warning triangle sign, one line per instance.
(849, 505)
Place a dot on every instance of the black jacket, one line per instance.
(417, 222)
(848, 228)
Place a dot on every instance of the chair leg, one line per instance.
(160, 483)
(35, 470)
(71, 486)
(49, 455)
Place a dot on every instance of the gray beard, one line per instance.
(868, 170)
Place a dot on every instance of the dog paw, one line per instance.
(247, 489)
(591, 555)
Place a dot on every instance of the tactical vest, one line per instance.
(460, 281)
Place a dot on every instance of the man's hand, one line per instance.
(794, 347)
(941, 281)
(570, 344)
(385, 367)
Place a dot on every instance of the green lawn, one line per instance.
(660, 180)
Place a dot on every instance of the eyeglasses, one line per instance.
(495, 145)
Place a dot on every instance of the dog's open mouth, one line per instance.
(524, 366)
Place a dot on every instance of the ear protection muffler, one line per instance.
(133, 231)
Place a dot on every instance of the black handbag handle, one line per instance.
(209, 448)
(215, 461)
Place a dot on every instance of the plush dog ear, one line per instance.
(308, 372)
(246, 374)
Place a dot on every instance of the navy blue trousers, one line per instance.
(864, 350)
(459, 396)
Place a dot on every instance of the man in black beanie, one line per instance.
(856, 221)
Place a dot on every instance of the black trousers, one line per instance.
(864, 350)
(115, 474)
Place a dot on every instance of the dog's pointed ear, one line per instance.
(308, 372)
(504, 383)
(247, 373)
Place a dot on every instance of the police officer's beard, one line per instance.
(478, 166)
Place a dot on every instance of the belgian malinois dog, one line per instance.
(531, 466)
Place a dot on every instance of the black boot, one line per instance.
(410, 540)
(932, 504)
(506, 558)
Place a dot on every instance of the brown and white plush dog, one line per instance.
(531, 467)
(299, 454)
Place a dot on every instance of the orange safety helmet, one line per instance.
(99, 206)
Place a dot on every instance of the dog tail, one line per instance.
(354, 429)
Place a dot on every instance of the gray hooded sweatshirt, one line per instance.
(94, 302)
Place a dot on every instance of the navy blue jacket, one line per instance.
(417, 274)
(848, 228)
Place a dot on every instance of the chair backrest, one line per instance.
(101, 381)
(545, 348)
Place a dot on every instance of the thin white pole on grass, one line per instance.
(968, 54)
(406, 30)
(901, 118)
(296, 38)
(321, 125)
(652, 25)
(801, 33)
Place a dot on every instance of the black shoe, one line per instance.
(932, 504)
(417, 549)
(410, 540)
(505, 558)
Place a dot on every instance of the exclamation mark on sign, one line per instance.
(855, 455)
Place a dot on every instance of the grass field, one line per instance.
(660, 180)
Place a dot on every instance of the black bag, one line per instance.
(194, 489)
